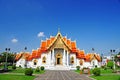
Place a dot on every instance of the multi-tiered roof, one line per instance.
(47, 44)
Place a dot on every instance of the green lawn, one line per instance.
(107, 77)
(18, 74)
(18, 70)
(108, 71)
(21, 70)
(15, 77)
(1, 67)
(78, 71)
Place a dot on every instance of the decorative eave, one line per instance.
(80, 54)
(67, 44)
(56, 37)
(92, 55)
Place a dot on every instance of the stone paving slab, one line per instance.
(62, 75)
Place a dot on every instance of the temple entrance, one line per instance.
(58, 59)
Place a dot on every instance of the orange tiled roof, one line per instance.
(45, 45)
(29, 58)
(73, 47)
(38, 53)
(26, 55)
(98, 57)
(22, 54)
(48, 42)
(65, 39)
(80, 54)
(34, 53)
(88, 57)
(69, 43)
(18, 56)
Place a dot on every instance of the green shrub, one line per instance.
(20, 66)
(119, 78)
(96, 71)
(29, 71)
(114, 71)
(42, 68)
(37, 69)
(14, 66)
(95, 66)
(78, 67)
(117, 66)
(105, 68)
(110, 64)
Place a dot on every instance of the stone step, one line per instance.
(59, 68)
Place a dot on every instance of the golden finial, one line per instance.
(58, 30)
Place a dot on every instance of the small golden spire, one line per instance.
(58, 30)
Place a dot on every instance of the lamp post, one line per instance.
(93, 50)
(7, 50)
(25, 48)
(112, 56)
(102, 63)
(93, 63)
(25, 58)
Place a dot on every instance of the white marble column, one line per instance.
(64, 57)
(49, 58)
(67, 58)
(53, 58)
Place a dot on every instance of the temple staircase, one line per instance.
(59, 67)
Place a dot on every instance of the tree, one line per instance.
(110, 64)
(117, 59)
(96, 71)
(10, 57)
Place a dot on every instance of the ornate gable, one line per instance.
(93, 56)
(59, 42)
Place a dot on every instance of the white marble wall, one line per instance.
(75, 60)
(94, 62)
(21, 62)
(50, 61)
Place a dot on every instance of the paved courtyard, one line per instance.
(62, 75)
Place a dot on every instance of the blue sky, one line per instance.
(92, 23)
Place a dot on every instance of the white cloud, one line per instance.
(41, 34)
(14, 40)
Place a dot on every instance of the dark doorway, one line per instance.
(58, 60)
